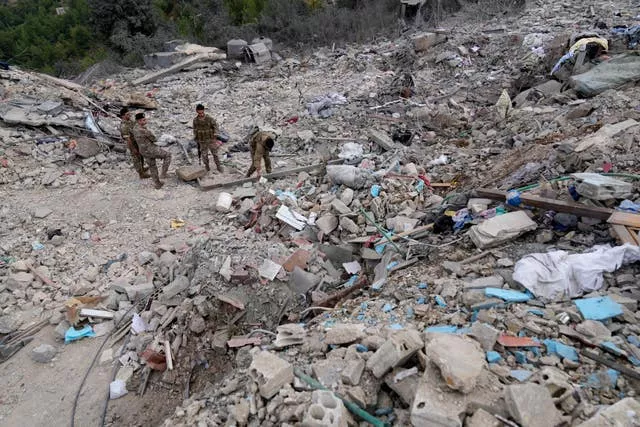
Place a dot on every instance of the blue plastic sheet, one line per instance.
(599, 308)
(508, 295)
(521, 374)
(493, 357)
(73, 334)
(561, 350)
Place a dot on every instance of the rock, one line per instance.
(344, 334)
(352, 372)
(41, 212)
(326, 410)
(625, 413)
(356, 395)
(337, 254)
(347, 196)
(197, 324)
(223, 204)
(146, 257)
(240, 412)
(20, 265)
(106, 357)
(179, 284)
(348, 225)
(485, 282)
(86, 148)
(300, 281)
(20, 280)
(431, 406)
(593, 329)
(485, 334)
(395, 351)
(270, 372)
(167, 259)
(423, 41)
(382, 140)
(327, 223)
(544, 236)
(43, 353)
(482, 418)
(61, 329)
(500, 229)
(340, 207)
(190, 173)
(91, 273)
(405, 386)
(136, 292)
(527, 402)
(460, 360)
(328, 372)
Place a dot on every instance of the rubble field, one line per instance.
(450, 236)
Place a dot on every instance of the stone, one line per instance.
(404, 386)
(593, 329)
(91, 273)
(197, 324)
(327, 223)
(106, 357)
(348, 225)
(145, 257)
(352, 372)
(430, 407)
(125, 374)
(136, 292)
(544, 236)
(526, 403)
(328, 372)
(19, 280)
(337, 254)
(240, 412)
(270, 372)
(20, 265)
(485, 282)
(357, 396)
(61, 329)
(300, 281)
(290, 334)
(500, 229)
(179, 284)
(347, 196)
(86, 148)
(43, 353)
(190, 173)
(344, 334)
(167, 259)
(394, 352)
(482, 418)
(41, 212)
(630, 303)
(625, 413)
(423, 41)
(459, 358)
(485, 334)
(325, 410)
(224, 202)
(383, 140)
(340, 207)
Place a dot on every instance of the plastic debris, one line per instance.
(493, 357)
(73, 334)
(562, 350)
(508, 295)
(599, 308)
(117, 389)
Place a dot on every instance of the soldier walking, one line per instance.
(126, 128)
(204, 132)
(150, 151)
(261, 143)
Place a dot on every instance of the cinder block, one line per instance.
(352, 372)
(395, 351)
(325, 410)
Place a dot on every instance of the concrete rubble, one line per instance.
(386, 277)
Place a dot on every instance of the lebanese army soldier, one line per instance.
(150, 151)
(204, 132)
(261, 144)
(126, 129)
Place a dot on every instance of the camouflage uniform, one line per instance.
(151, 152)
(259, 151)
(204, 132)
(126, 129)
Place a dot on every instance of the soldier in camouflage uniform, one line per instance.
(204, 132)
(260, 144)
(126, 128)
(150, 151)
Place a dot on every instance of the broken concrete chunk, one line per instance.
(327, 223)
(344, 334)
(428, 408)
(347, 196)
(41, 212)
(482, 418)
(348, 225)
(485, 334)
(190, 173)
(325, 410)
(485, 282)
(383, 140)
(43, 353)
(328, 372)
(340, 207)
(270, 372)
(302, 281)
(501, 228)
(179, 284)
(625, 413)
(352, 372)
(136, 292)
(405, 386)
(395, 351)
(290, 334)
(459, 358)
(19, 280)
(526, 403)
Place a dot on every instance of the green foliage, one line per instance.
(244, 11)
(34, 36)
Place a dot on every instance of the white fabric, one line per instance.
(557, 275)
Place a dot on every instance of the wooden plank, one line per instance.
(278, 174)
(625, 218)
(623, 234)
(149, 78)
(552, 204)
